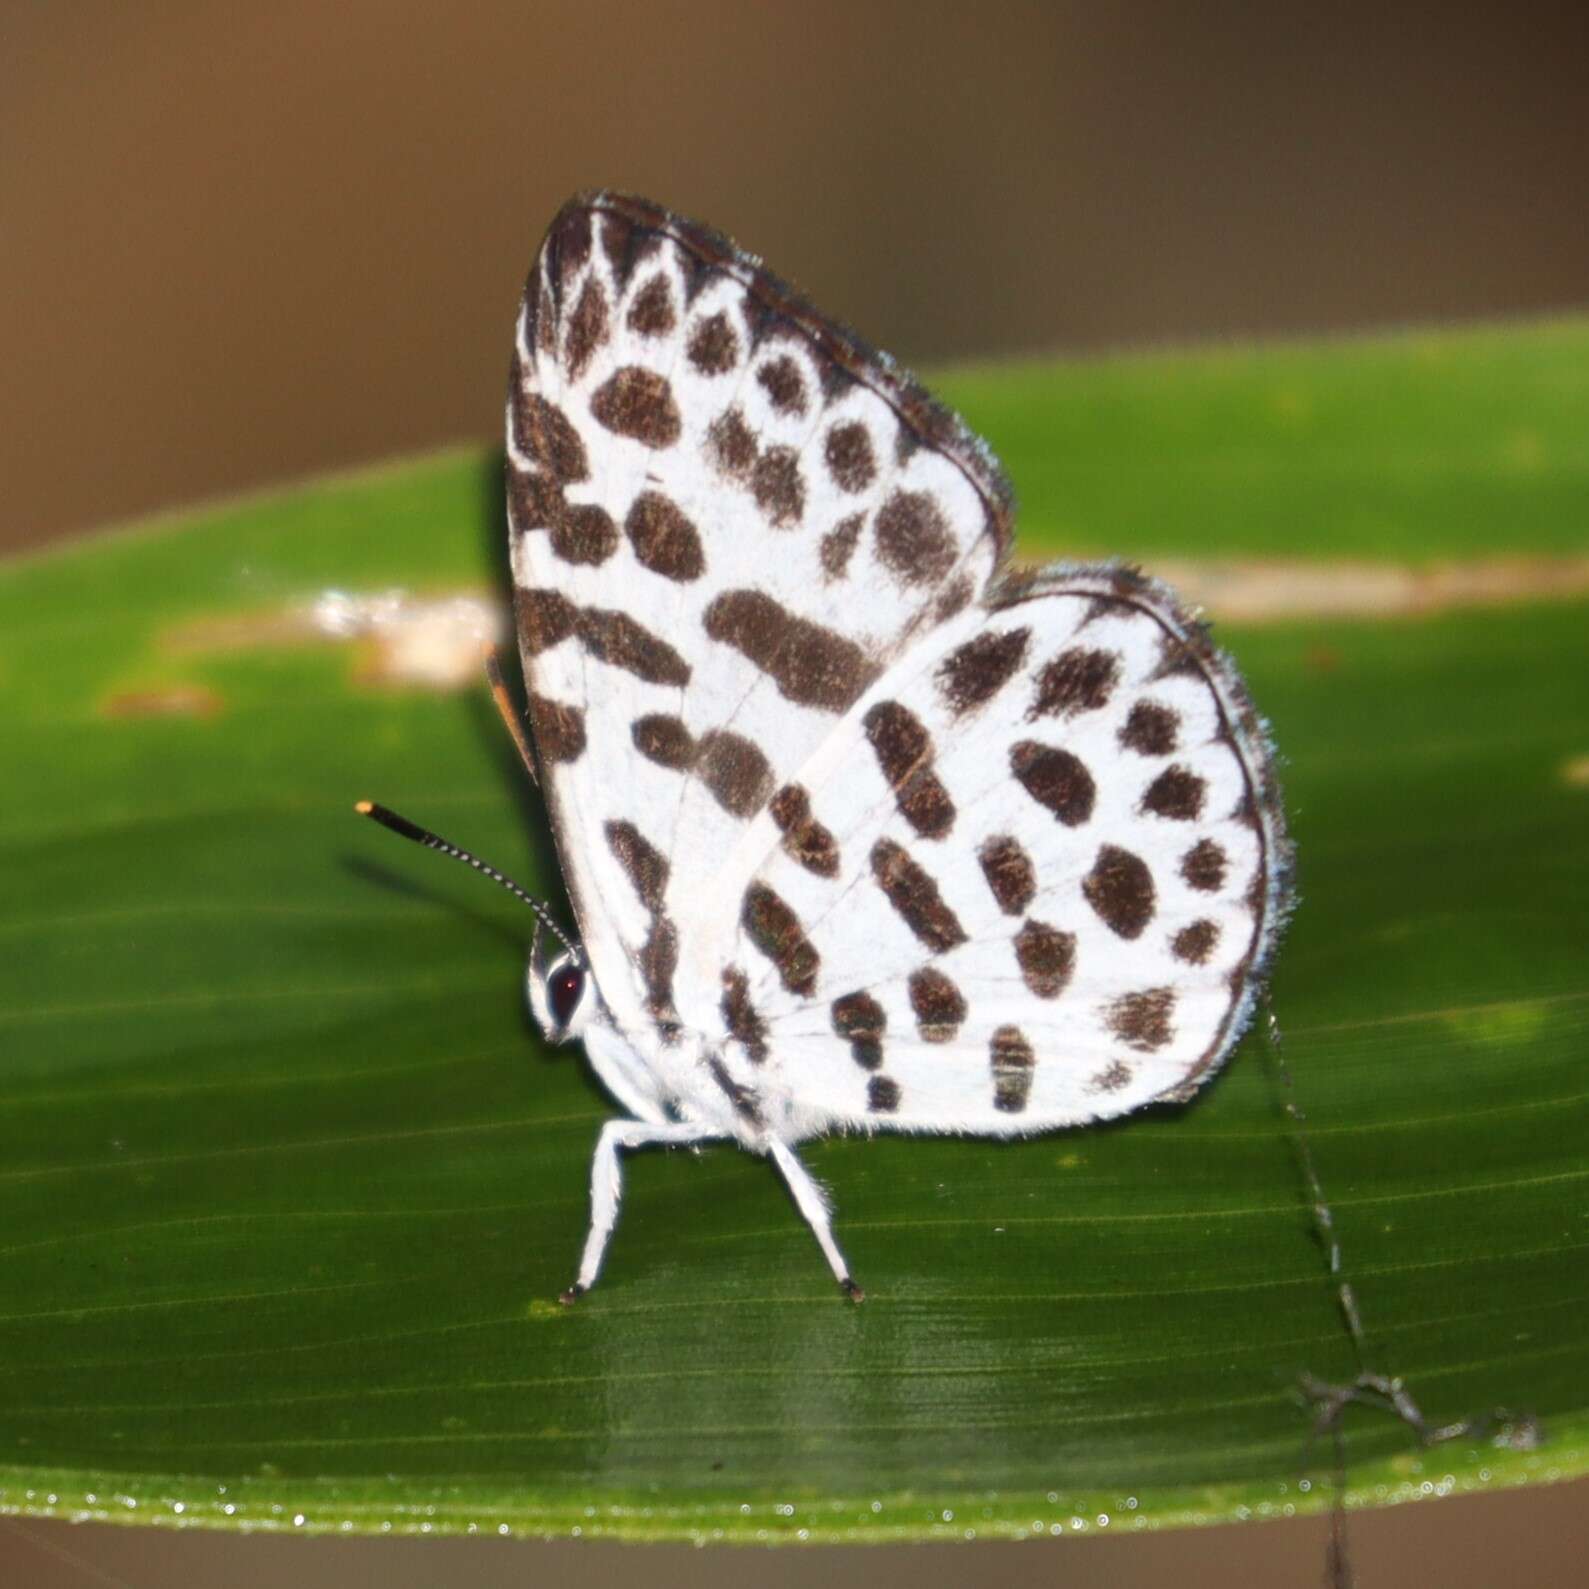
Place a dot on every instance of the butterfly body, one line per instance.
(863, 831)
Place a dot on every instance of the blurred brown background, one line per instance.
(242, 243)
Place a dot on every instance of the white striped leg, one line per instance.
(811, 1202)
(606, 1182)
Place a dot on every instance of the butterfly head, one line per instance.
(561, 993)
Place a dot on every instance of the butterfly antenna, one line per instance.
(432, 841)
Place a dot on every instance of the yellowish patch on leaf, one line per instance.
(1500, 1025)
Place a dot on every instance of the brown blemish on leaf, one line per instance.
(431, 641)
(1277, 590)
(176, 700)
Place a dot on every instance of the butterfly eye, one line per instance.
(563, 989)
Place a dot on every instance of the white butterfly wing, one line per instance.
(728, 519)
(1037, 875)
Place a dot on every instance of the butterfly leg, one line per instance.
(606, 1182)
(811, 1202)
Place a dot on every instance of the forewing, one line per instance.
(1037, 876)
(728, 519)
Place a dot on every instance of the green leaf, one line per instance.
(287, 1190)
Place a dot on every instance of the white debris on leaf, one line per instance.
(433, 642)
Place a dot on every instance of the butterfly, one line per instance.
(864, 830)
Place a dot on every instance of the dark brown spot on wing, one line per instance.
(1055, 779)
(659, 959)
(1143, 1020)
(904, 751)
(1177, 659)
(735, 771)
(939, 1005)
(783, 383)
(544, 618)
(652, 313)
(811, 666)
(775, 930)
(545, 323)
(569, 244)
(914, 539)
(740, 1016)
(972, 674)
(1177, 794)
(1111, 1078)
(731, 446)
(838, 546)
(1203, 867)
(804, 838)
(623, 642)
(534, 498)
(915, 897)
(638, 403)
(779, 488)
(587, 328)
(583, 533)
(559, 729)
(1076, 681)
(542, 431)
(664, 740)
(1195, 943)
(954, 598)
(1120, 889)
(620, 244)
(849, 456)
(1010, 873)
(747, 1105)
(644, 865)
(1047, 958)
(1012, 1061)
(713, 347)
(882, 1095)
(663, 538)
(1151, 729)
(860, 1019)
